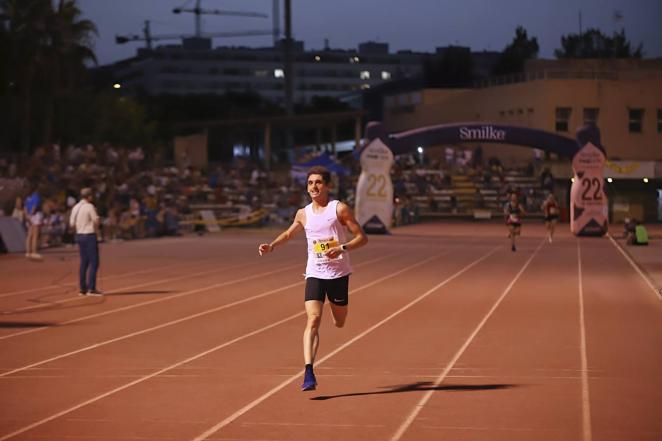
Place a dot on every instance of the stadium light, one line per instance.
(646, 180)
(117, 86)
(610, 180)
(420, 150)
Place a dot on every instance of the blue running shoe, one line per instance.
(309, 381)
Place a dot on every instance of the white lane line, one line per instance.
(273, 391)
(150, 302)
(421, 403)
(658, 292)
(140, 285)
(586, 402)
(104, 278)
(214, 349)
(174, 322)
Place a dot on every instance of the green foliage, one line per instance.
(514, 55)
(121, 121)
(594, 44)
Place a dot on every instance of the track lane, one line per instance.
(140, 361)
(624, 337)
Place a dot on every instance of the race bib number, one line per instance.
(513, 218)
(322, 246)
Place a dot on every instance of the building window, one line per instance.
(636, 116)
(386, 75)
(364, 75)
(591, 115)
(659, 120)
(279, 73)
(562, 119)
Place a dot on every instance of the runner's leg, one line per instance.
(311, 333)
(339, 314)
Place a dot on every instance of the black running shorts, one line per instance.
(336, 290)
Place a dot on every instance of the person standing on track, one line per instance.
(513, 212)
(328, 267)
(550, 209)
(85, 222)
(34, 218)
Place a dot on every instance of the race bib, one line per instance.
(322, 246)
(513, 218)
(552, 210)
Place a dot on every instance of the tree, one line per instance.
(46, 50)
(514, 55)
(594, 44)
(66, 55)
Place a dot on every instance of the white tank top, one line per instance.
(324, 231)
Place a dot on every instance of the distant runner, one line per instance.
(550, 209)
(513, 213)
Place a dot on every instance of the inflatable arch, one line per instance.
(374, 192)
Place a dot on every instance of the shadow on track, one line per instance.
(420, 386)
(26, 325)
(133, 293)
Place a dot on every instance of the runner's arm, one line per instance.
(286, 235)
(346, 217)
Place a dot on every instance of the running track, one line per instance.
(450, 336)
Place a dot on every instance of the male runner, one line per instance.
(328, 267)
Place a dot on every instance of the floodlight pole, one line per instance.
(289, 71)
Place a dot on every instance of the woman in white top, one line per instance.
(550, 209)
(19, 212)
(328, 267)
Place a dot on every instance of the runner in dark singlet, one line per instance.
(513, 213)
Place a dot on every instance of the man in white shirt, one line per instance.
(85, 222)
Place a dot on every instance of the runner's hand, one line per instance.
(334, 252)
(264, 248)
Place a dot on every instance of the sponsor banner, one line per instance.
(483, 133)
(374, 191)
(629, 170)
(588, 201)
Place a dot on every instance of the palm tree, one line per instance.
(47, 51)
(70, 49)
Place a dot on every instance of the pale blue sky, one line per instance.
(405, 24)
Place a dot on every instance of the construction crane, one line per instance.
(198, 11)
(147, 37)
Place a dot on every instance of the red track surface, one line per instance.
(450, 336)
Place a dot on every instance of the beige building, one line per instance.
(623, 97)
